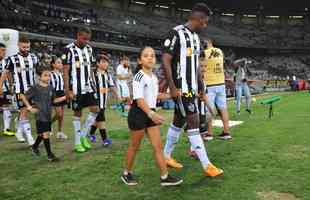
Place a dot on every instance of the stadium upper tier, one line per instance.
(126, 27)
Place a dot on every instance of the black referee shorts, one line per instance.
(84, 100)
(138, 120)
(43, 127)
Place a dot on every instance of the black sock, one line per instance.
(123, 107)
(47, 146)
(37, 142)
(103, 134)
(93, 130)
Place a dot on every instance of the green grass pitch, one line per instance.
(267, 159)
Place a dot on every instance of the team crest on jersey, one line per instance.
(6, 37)
(167, 43)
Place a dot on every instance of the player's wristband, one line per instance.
(151, 114)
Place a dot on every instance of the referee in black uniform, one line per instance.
(180, 57)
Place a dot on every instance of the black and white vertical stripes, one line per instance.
(23, 71)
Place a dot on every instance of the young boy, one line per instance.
(42, 95)
(104, 83)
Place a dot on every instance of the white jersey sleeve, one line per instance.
(119, 70)
(138, 88)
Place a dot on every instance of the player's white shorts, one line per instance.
(123, 90)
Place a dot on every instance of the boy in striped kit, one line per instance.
(104, 83)
(5, 96)
(57, 82)
(21, 69)
(79, 86)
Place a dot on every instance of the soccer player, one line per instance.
(214, 79)
(79, 86)
(21, 69)
(242, 74)
(57, 82)
(123, 75)
(42, 95)
(180, 57)
(104, 83)
(142, 119)
(6, 97)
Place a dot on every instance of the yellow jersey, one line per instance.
(212, 67)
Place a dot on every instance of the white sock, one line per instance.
(27, 131)
(77, 129)
(7, 116)
(19, 131)
(164, 176)
(172, 138)
(197, 143)
(90, 120)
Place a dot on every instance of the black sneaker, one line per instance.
(249, 111)
(129, 179)
(225, 136)
(35, 151)
(170, 181)
(52, 158)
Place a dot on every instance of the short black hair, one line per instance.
(84, 30)
(203, 8)
(23, 39)
(2, 45)
(42, 69)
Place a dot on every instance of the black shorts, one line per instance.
(84, 100)
(138, 120)
(19, 101)
(62, 103)
(6, 99)
(101, 116)
(185, 106)
(43, 127)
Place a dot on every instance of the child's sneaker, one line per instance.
(129, 179)
(61, 136)
(170, 181)
(107, 142)
(52, 158)
(93, 138)
(35, 151)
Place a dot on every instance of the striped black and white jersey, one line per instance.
(103, 81)
(5, 86)
(23, 71)
(184, 46)
(57, 81)
(145, 86)
(80, 61)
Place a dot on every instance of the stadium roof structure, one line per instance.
(249, 6)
